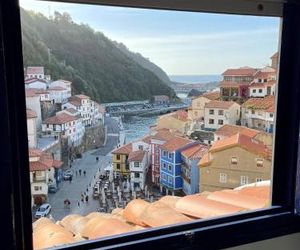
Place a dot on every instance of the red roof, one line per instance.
(212, 95)
(229, 84)
(245, 71)
(260, 103)
(176, 143)
(195, 152)
(229, 130)
(126, 149)
(39, 160)
(136, 155)
(32, 80)
(82, 96)
(219, 104)
(60, 118)
(30, 93)
(163, 134)
(30, 114)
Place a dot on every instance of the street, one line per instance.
(80, 184)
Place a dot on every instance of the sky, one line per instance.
(181, 43)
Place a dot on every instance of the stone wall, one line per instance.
(48, 109)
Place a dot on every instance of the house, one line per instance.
(66, 126)
(235, 84)
(234, 161)
(33, 103)
(170, 164)
(196, 110)
(258, 113)
(160, 99)
(58, 94)
(229, 130)
(274, 59)
(189, 167)
(120, 161)
(31, 128)
(63, 84)
(176, 121)
(158, 138)
(138, 166)
(84, 105)
(35, 83)
(34, 72)
(42, 174)
(218, 113)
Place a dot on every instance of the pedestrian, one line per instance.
(87, 199)
(78, 203)
(70, 165)
(84, 173)
(82, 199)
(80, 172)
(70, 179)
(76, 173)
(87, 189)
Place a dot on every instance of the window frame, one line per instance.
(280, 219)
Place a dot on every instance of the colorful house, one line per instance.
(120, 161)
(170, 164)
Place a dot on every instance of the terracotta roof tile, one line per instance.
(163, 134)
(176, 143)
(195, 152)
(126, 149)
(227, 84)
(39, 160)
(60, 118)
(82, 96)
(219, 104)
(35, 70)
(229, 130)
(259, 103)
(30, 114)
(136, 155)
(245, 71)
(212, 95)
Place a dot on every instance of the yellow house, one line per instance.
(176, 121)
(196, 110)
(233, 162)
(120, 160)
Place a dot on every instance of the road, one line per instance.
(80, 184)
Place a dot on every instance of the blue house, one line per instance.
(189, 167)
(170, 164)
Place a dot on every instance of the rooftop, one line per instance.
(219, 104)
(35, 70)
(244, 71)
(136, 155)
(212, 95)
(195, 152)
(39, 160)
(126, 149)
(140, 214)
(176, 143)
(260, 103)
(229, 130)
(60, 118)
(163, 134)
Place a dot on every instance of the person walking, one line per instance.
(70, 179)
(82, 199)
(84, 173)
(76, 173)
(87, 199)
(78, 203)
(80, 172)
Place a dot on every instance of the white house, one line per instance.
(66, 126)
(218, 113)
(63, 84)
(34, 83)
(138, 168)
(84, 105)
(31, 128)
(58, 94)
(257, 89)
(33, 103)
(34, 72)
(42, 174)
(258, 113)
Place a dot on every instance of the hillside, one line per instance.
(95, 65)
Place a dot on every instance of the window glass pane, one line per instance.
(140, 113)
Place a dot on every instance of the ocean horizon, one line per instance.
(195, 78)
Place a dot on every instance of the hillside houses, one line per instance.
(219, 113)
(258, 113)
(234, 161)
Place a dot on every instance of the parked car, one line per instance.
(68, 174)
(43, 210)
(52, 188)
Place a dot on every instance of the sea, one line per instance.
(195, 78)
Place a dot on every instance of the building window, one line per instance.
(118, 157)
(136, 175)
(170, 168)
(136, 164)
(170, 155)
(253, 112)
(211, 121)
(271, 115)
(254, 91)
(221, 112)
(164, 153)
(141, 147)
(211, 111)
(170, 180)
(223, 178)
(258, 179)
(164, 166)
(36, 188)
(118, 166)
(244, 180)
(234, 160)
(220, 122)
(259, 162)
(260, 91)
